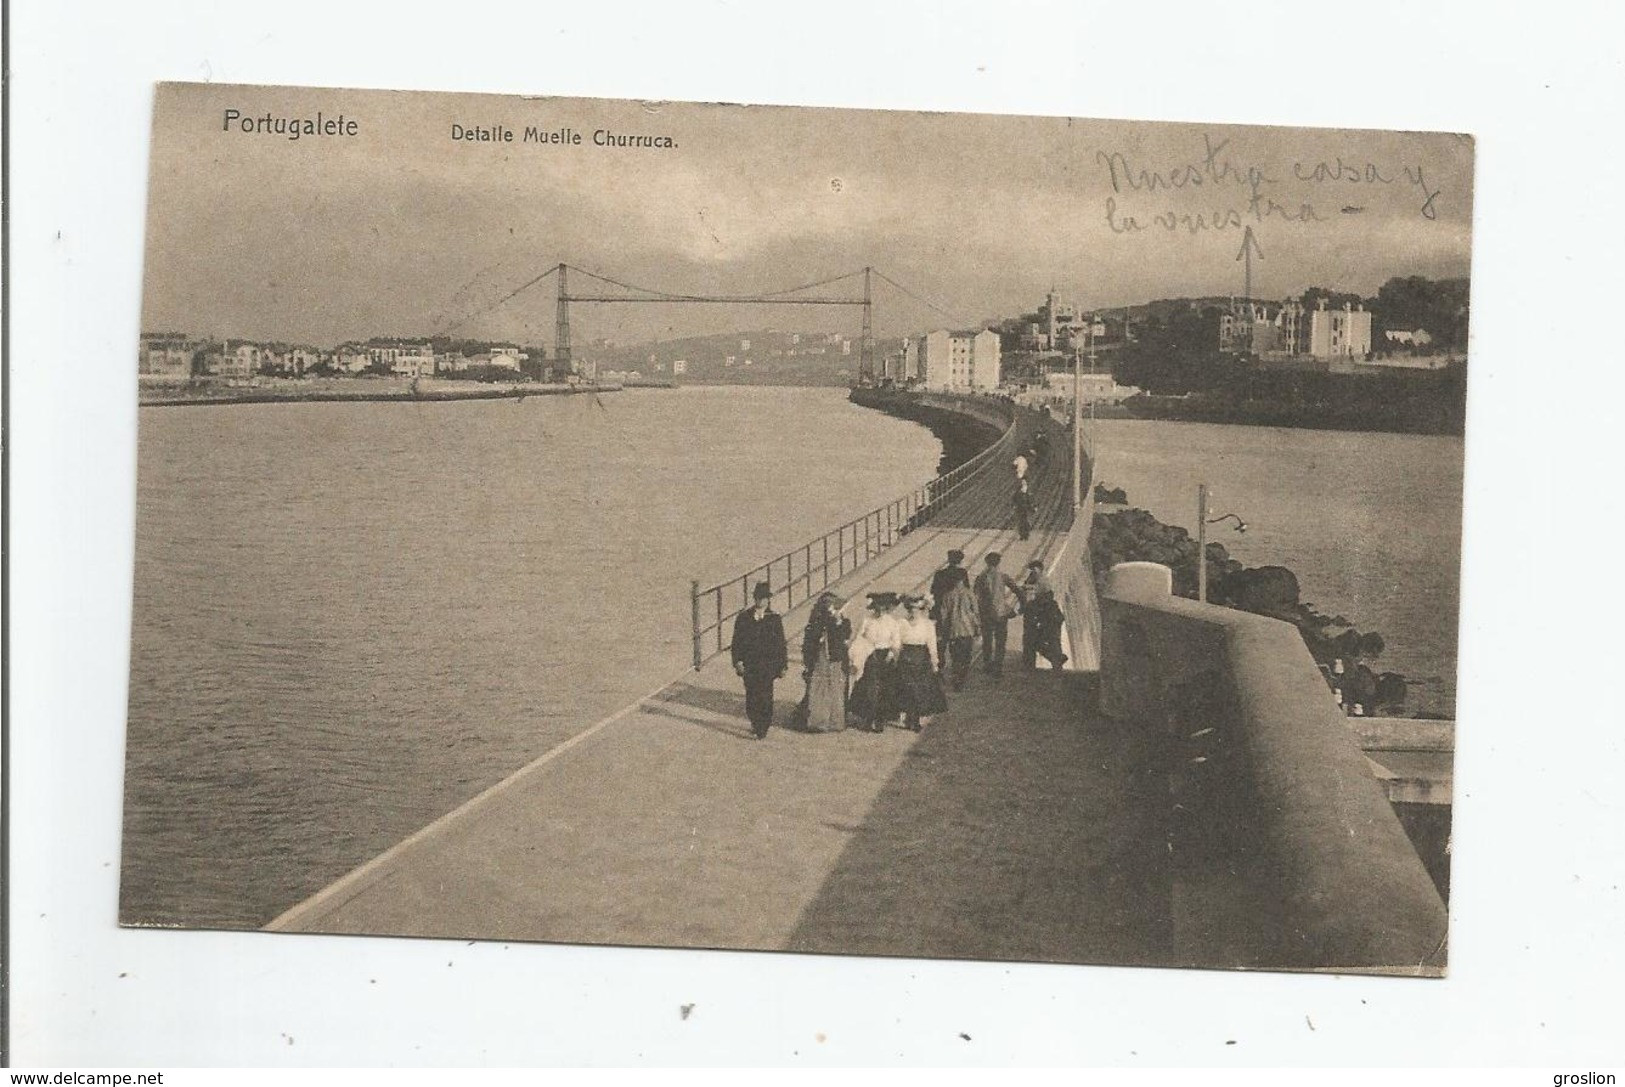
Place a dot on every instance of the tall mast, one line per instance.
(562, 360)
(866, 358)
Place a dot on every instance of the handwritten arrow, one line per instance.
(1249, 246)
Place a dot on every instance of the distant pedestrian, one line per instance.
(998, 600)
(958, 622)
(880, 640)
(760, 657)
(823, 654)
(1024, 510)
(1041, 447)
(1020, 465)
(941, 582)
(919, 690)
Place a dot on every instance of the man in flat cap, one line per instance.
(942, 582)
(998, 600)
(760, 657)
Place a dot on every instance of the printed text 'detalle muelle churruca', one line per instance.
(559, 137)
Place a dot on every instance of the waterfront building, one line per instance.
(1262, 328)
(954, 360)
(507, 357)
(410, 358)
(236, 358)
(893, 366)
(351, 358)
(166, 354)
(1340, 334)
(1096, 388)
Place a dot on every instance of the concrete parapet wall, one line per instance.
(1295, 807)
(1072, 571)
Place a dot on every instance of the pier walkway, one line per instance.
(1019, 825)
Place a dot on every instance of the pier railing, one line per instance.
(801, 573)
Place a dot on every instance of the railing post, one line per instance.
(825, 567)
(694, 600)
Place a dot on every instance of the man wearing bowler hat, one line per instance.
(760, 657)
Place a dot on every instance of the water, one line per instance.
(1370, 523)
(349, 618)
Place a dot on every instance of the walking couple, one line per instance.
(760, 657)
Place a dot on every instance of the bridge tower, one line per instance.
(563, 363)
(866, 357)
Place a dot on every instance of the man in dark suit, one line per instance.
(760, 657)
(943, 580)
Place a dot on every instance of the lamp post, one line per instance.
(1202, 521)
(1077, 430)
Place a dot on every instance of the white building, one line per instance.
(237, 358)
(1096, 388)
(1340, 334)
(407, 357)
(954, 360)
(166, 355)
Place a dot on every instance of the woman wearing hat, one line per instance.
(919, 691)
(874, 695)
(823, 652)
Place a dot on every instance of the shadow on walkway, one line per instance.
(1030, 836)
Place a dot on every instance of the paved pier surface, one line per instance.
(1019, 825)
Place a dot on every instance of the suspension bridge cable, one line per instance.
(511, 294)
(810, 286)
(669, 296)
(917, 298)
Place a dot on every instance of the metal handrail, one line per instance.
(855, 542)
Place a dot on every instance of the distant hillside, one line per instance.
(758, 357)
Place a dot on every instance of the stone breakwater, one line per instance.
(1336, 644)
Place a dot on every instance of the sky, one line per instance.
(400, 229)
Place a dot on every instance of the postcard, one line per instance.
(791, 529)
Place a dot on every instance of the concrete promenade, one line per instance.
(1019, 825)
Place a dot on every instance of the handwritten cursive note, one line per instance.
(1242, 192)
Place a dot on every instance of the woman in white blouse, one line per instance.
(879, 642)
(919, 688)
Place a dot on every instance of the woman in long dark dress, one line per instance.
(874, 695)
(919, 688)
(823, 653)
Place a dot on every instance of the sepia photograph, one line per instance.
(854, 532)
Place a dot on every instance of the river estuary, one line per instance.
(349, 618)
